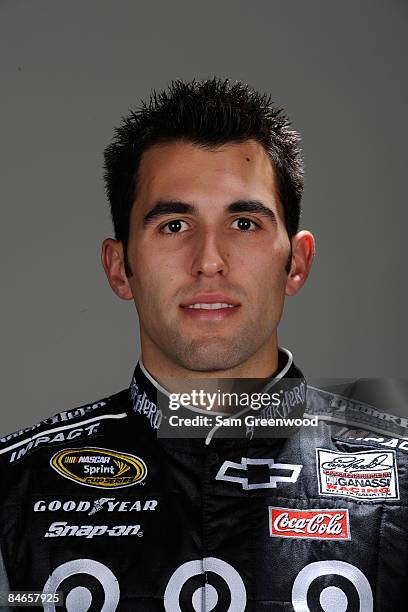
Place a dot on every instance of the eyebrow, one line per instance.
(161, 209)
(252, 206)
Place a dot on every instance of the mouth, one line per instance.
(210, 307)
(215, 306)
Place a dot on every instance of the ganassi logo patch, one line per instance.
(320, 524)
(360, 475)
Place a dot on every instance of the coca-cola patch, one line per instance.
(322, 524)
(365, 475)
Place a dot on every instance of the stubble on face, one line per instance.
(211, 351)
(166, 271)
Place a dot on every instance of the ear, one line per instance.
(303, 250)
(114, 266)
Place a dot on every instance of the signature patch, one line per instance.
(360, 475)
(320, 524)
(99, 467)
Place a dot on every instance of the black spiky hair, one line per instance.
(209, 113)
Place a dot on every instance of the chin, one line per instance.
(211, 358)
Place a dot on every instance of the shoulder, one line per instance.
(69, 425)
(358, 421)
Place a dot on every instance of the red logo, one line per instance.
(317, 524)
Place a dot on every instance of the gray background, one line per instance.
(70, 70)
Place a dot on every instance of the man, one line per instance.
(113, 505)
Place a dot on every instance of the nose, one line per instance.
(209, 258)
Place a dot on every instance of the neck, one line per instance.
(262, 364)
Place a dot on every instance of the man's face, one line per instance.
(207, 229)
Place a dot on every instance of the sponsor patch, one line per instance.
(105, 597)
(62, 529)
(374, 441)
(99, 467)
(61, 417)
(352, 592)
(258, 473)
(52, 437)
(109, 504)
(360, 475)
(320, 524)
(347, 405)
(143, 405)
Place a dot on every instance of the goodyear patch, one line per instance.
(100, 468)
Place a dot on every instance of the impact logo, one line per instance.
(99, 467)
(53, 438)
(360, 475)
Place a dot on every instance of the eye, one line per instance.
(245, 225)
(176, 226)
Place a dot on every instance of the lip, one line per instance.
(217, 314)
(210, 298)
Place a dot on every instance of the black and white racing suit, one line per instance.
(98, 505)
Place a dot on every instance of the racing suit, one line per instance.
(98, 505)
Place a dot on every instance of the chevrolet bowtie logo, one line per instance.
(246, 462)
